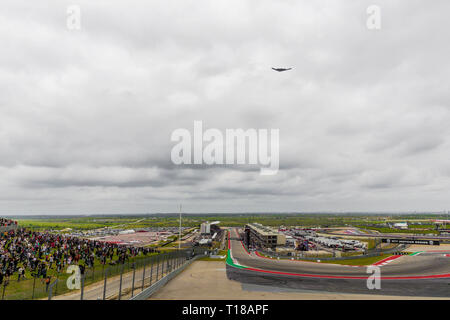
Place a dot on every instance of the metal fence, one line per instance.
(148, 292)
(8, 228)
(118, 281)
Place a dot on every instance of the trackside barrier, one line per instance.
(395, 251)
(403, 253)
(147, 293)
(129, 277)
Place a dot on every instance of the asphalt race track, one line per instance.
(424, 275)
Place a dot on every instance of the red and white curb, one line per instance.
(386, 261)
(382, 262)
(296, 260)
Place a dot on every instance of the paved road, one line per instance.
(328, 277)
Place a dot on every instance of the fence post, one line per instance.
(167, 262)
(56, 285)
(120, 284)
(34, 286)
(50, 291)
(82, 287)
(143, 278)
(4, 288)
(151, 273)
(166, 258)
(169, 258)
(134, 274)
(180, 258)
(157, 267)
(174, 259)
(104, 285)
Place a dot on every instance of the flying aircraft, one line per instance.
(281, 69)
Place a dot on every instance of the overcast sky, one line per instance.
(86, 115)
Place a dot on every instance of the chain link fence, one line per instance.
(8, 228)
(101, 282)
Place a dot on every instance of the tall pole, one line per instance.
(104, 285)
(82, 287)
(143, 277)
(120, 284)
(134, 275)
(179, 236)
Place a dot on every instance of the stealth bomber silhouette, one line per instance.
(282, 69)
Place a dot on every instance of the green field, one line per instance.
(219, 253)
(359, 262)
(353, 262)
(392, 230)
(231, 220)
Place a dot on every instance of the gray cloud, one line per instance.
(86, 116)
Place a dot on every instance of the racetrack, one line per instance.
(427, 274)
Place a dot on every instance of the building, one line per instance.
(262, 236)
(401, 225)
(205, 228)
(129, 231)
(205, 242)
(209, 228)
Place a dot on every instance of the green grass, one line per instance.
(58, 225)
(212, 259)
(232, 220)
(219, 253)
(352, 262)
(350, 253)
(359, 262)
(390, 230)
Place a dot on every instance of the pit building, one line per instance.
(265, 237)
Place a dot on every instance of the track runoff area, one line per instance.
(420, 274)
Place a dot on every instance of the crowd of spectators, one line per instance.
(24, 250)
(7, 222)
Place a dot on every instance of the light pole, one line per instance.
(179, 233)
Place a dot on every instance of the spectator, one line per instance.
(47, 283)
(20, 273)
(39, 252)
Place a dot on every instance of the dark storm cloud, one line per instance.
(86, 116)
